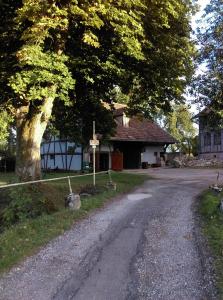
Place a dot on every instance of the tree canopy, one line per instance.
(209, 84)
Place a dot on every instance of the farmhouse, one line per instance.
(137, 142)
(210, 138)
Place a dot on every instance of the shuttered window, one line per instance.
(207, 139)
(217, 137)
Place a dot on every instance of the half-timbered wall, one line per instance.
(210, 140)
(60, 154)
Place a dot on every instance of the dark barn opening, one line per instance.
(131, 154)
(104, 161)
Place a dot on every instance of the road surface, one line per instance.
(143, 245)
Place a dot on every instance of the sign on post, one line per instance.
(94, 143)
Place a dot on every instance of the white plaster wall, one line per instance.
(104, 148)
(148, 155)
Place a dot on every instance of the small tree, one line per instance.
(180, 125)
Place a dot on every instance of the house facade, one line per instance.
(210, 138)
(139, 140)
(136, 143)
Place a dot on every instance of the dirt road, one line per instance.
(141, 246)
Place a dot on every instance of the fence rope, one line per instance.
(51, 179)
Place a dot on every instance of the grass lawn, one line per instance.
(26, 237)
(7, 178)
(212, 222)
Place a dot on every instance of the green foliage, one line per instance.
(25, 203)
(43, 28)
(209, 84)
(5, 121)
(169, 63)
(44, 71)
(141, 45)
(212, 225)
(180, 125)
(76, 123)
(195, 145)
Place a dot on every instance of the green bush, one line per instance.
(25, 203)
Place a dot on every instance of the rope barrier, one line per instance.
(52, 179)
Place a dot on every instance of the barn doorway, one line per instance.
(131, 154)
(104, 161)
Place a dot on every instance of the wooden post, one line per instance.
(94, 147)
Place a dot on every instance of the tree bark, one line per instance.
(31, 123)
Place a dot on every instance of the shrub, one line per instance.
(24, 203)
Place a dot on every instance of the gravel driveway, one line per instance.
(141, 246)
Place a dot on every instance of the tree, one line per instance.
(68, 50)
(209, 84)
(180, 125)
(162, 81)
(76, 122)
(146, 84)
(40, 74)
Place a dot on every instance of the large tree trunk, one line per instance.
(31, 124)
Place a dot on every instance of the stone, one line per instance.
(111, 185)
(189, 161)
(176, 163)
(73, 201)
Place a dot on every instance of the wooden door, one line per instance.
(117, 161)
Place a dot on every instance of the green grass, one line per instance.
(7, 178)
(25, 238)
(212, 222)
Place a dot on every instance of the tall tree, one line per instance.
(41, 74)
(162, 81)
(69, 49)
(180, 125)
(209, 84)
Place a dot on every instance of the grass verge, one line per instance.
(25, 238)
(212, 225)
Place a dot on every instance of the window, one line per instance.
(217, 137)
(207, 139)
(71, 150)
(52, 156)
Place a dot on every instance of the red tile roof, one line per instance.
(142, 130)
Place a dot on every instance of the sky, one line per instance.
(198, 16)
